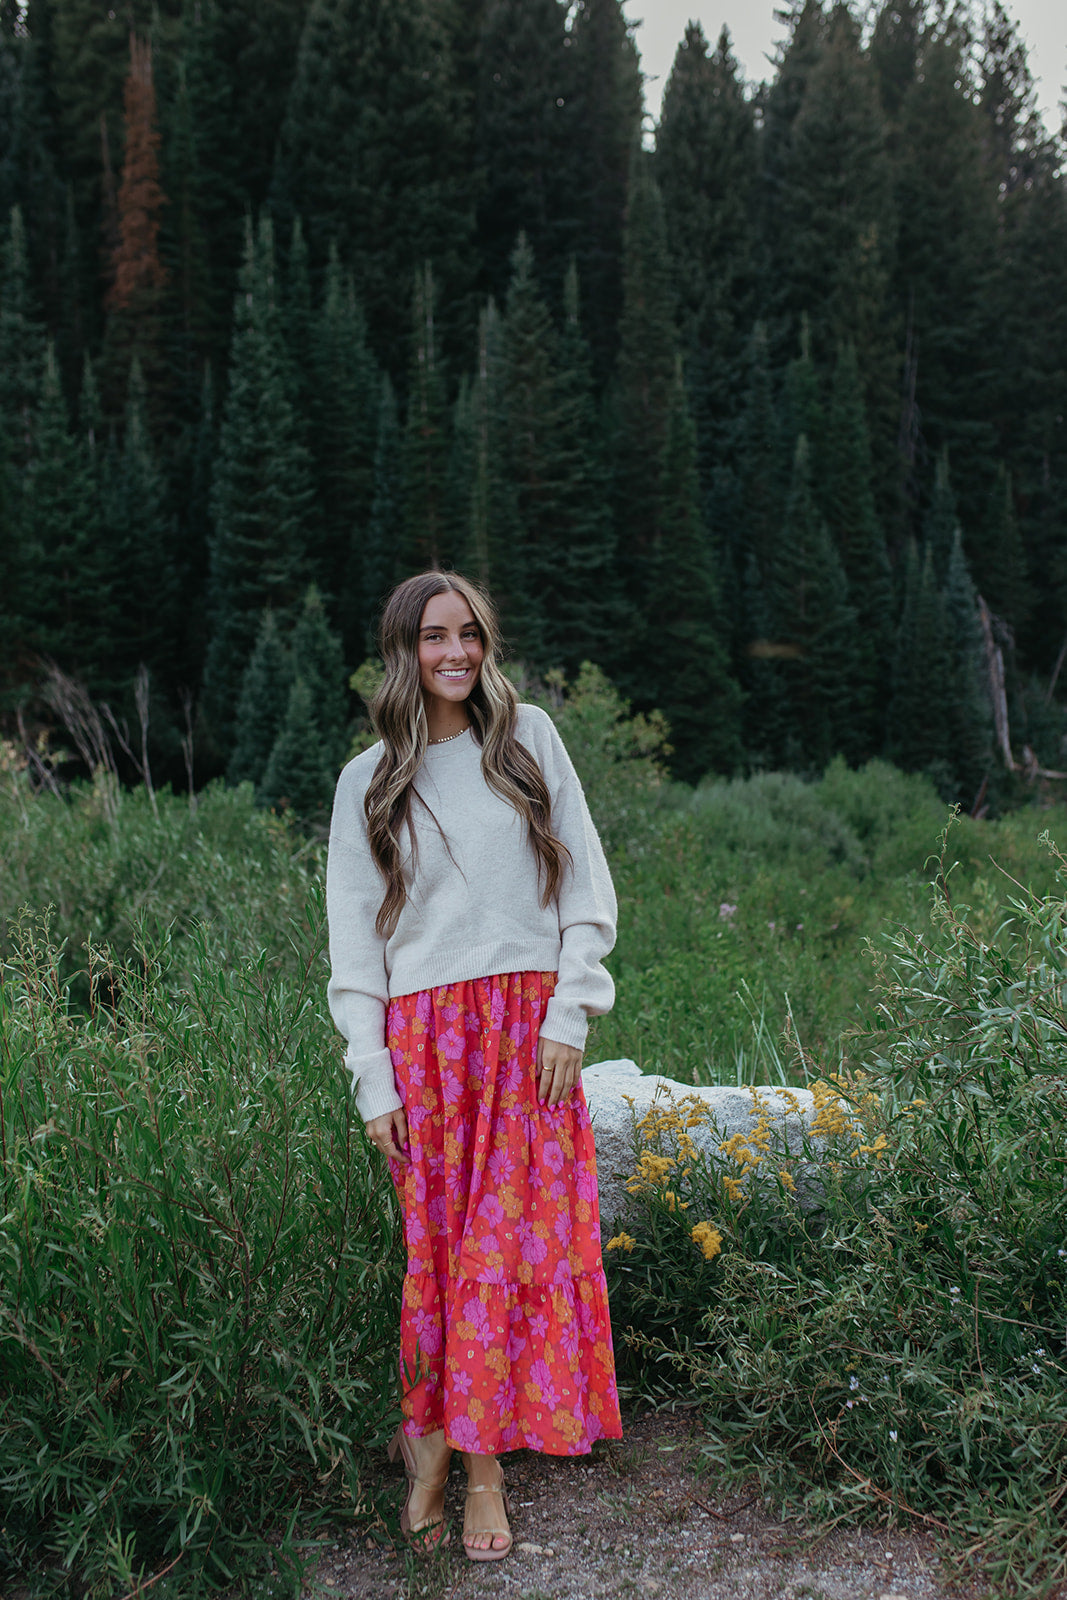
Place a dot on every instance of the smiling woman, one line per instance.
(470, 907)
(450, 656)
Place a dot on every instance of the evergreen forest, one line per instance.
(760, 409)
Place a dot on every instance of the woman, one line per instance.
(470, 907)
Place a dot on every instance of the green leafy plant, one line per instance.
(198, 1263)
(892, 1344)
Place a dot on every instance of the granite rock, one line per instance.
(618, 1093)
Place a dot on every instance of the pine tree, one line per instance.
(607, 106)
(970, 720)
(369, 155)
(67, 583)
(425, 437)
(261, 705)
(801, 408)
(946, 244)
(142, 539)
(921, 711)
(834, 226)
(645, 375)
(318, 662)
(941, 522)
(374, 569)
(137, 270)
(344, 409)
(814, 630)
(530, 443)
(847, 500)
(585, 615)
(299, 776)
(1000, 560)
(759, 460)
(689, 673)
(22, 345)
(525, 140)
(261, 494)
(485, 516)
(707, 168)
(137, 275)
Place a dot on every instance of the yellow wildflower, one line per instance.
(787, 1180)
(734, 1189)
(708, 1238)
(621, 1241)
(878, 1148)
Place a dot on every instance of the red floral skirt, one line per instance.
(505, 1337)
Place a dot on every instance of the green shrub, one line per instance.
(199, 1262)
(895, 1347)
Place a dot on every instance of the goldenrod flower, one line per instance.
(787, 1181)
(621, 1241)
(708, 1238)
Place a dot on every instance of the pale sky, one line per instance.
(754, 32)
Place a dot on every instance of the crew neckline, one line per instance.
(459, 741)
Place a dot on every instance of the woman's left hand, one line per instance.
(559, 1068)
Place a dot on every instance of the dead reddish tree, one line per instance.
(136, 263)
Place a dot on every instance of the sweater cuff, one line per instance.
(374, 1085)
(565, 1024)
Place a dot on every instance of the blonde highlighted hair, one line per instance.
(399, 714)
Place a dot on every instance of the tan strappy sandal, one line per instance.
(433, 1534)
(497, 1533)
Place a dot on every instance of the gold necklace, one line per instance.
(448, 740)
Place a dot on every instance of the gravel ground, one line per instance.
(634, 1520)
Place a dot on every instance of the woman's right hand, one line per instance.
(389, 1134)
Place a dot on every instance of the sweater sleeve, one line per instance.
(587, 910)
(358, 990)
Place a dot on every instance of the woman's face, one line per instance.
(450, 648)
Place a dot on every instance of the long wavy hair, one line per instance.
(399, 714)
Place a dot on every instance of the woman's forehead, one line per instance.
(448, 610)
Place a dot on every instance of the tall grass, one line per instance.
(896, 1349)
(198, 1262)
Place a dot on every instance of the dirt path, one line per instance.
(634, 1521)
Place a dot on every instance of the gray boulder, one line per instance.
(606, 1083)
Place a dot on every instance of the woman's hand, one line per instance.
(559, 1067)
(389, 1134)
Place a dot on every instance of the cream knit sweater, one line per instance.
(474, 907)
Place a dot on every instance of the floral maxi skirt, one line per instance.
(505, 1339)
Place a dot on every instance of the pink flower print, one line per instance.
(464, 1433)
(534, 1441)
(451, 1087)
(586, 1183)
(562, 1274)
(500, 1166)
(538, 1324)
(552, 1155)
(496, 1010)
(462, 1381)
(423, 1007)
(428, 1332)
(534, 1247)
(450, 1045)
(557, 1191)
(568, 1340)
(491, 1211)
(436, 1213)
(511, 1076)
(518, 1033)
(541, 1374)
(563, 1229)
(477, 1314)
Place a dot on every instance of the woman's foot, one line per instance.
(426, 1461)
(486, 1535)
